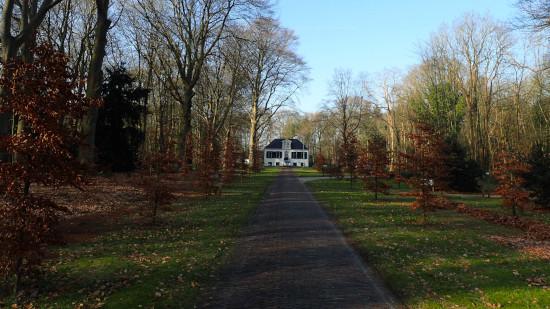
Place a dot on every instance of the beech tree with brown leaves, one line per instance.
(320, 162)
(155, 183)
(349, 150)
(425, 162)
(508, 171)
(373, 166)
(42, 97)
(208, 168)
(230, 157)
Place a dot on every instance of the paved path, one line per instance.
(292, 256)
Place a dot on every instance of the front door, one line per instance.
(287, 161)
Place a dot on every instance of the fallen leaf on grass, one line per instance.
(537, 281)
(539, 249)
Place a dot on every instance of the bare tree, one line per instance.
(390, 86)
(274, 73)
(190, 30)
(535, 15)
(219, 90)
(349, 104)
(479, 48)
(94, 80)
(28, 16)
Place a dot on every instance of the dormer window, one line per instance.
(286, 144)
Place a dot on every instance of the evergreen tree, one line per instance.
(442, 107)
(119, 135)
(462, 172)
(538, 178)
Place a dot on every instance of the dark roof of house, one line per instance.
(278, 144)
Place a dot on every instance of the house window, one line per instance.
(294, 155)
(273, 154)
(294, 164)
(305, 155)
(270, 163)
(302, 164)
(276, 163)
(299, 155)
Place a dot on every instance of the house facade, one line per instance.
(286, 152)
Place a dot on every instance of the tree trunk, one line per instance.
(375, 188)
(95, 77)
(9, 50)
(227, 151)
(252, 139)
(5, 130)
(18, 157)
(186, 129)
(252, 145)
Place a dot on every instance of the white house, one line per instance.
(286, 152)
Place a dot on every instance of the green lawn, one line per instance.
(447, 263)
(495, 204)
(142, 266)
(306, 172)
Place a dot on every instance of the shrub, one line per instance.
(509, 170)
(538, 178)
(335, 171)
(372, 165)
(349, 150)
(487, 184)
(462, 172)
(320, 162)
(156, 186)
(27, 226)
(230, 159)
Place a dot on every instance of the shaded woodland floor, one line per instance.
(113, 257)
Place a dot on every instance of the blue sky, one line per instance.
(368, 36)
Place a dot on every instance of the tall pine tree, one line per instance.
(119, 135)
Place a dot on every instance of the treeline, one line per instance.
(158, 86)
(206, 71)
(482, 85)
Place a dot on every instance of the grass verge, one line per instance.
(495, 205)
(450, 262)
(306, 172)
(143, 266)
